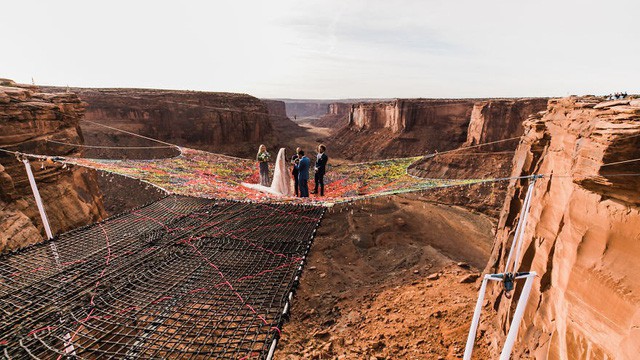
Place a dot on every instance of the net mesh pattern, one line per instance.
(183, 277)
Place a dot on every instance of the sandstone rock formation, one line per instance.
(402, 127)
(336, 118)
(221, 122)
(404, 115)
(286, 132)
(71, 196)
(494, 120)
(339, 108)
(583, 233)
(276, 107)
(409, 127)
(491, 121)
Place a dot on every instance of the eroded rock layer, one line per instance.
(276, 107)
(71, 196)
(403, 127)
(583, 235)
(220, 122)
(490, 121)
(337, 117)
(499, 119)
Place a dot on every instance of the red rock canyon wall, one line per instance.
(583, 235)
(70, 195)
(227, 123)
(337, 117)
(491, 120)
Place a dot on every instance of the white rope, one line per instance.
(110, 147)
(516, 244)
(36, 195)
(620, 162)
(508, 276)
(471, 338)
(130, 133)
(475, 146)
(517, 317)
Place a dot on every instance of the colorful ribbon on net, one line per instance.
(203, 174)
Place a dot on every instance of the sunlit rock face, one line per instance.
(404, 115)
(492, 121)
(495, 120)
(70, 195)
(583, 236)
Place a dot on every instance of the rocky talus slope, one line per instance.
(71, 196)
(583, 236)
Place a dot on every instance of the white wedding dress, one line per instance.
(281, 184)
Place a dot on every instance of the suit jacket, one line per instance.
(303, 168)
(321, 163)
(295, 167)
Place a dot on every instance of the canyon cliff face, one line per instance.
(339, 108)
(491, 120)
(583, 235)
(300, 109)
(499, 119)
(412, 127)
(71, 196)
(233, 124)
(276, 107)
(403, 127)
(337, 117)
(404, 115)
(286, 132)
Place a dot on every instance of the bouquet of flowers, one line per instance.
(264, 156)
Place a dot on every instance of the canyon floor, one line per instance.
(389, 279)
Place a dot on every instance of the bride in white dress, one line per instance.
(281, 184)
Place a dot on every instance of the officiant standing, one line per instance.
(320, 169)
(263, 159)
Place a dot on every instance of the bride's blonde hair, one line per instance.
(260, 149)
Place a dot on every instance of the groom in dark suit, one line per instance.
(320, 169)
(303, 174)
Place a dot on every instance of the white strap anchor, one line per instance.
(508, 278)
(69, 348)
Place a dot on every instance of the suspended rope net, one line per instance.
(204, 174)
(183, 277)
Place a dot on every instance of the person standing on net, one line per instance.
(303, 174)
(320, 169)
(294, 161)
(263, 157)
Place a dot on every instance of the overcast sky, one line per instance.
(328, 48)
